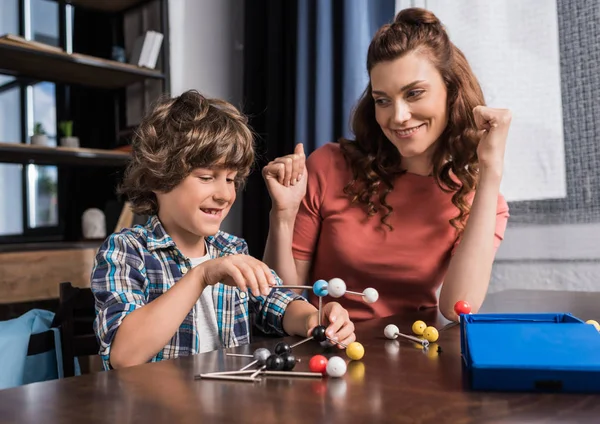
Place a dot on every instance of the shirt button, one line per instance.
(242, 295)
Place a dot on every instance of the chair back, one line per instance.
(75, 318)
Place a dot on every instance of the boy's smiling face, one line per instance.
(198, 205)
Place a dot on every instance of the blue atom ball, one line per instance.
(320, 288)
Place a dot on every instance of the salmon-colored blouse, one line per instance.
(406, 265)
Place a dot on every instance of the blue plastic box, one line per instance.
(550, 352)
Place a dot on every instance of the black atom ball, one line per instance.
(289, 362)
(319, 333)
(274, 363)
(282, 348)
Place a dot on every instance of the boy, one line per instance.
(177, 285)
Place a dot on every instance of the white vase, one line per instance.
(39, 139)
(93, 224)
(69, 141)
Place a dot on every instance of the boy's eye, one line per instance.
(205, 178)
(230, 180)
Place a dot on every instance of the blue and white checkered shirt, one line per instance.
(135, 266)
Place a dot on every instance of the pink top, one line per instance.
(406, 265)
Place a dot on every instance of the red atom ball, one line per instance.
(318, 363)
(462, 307)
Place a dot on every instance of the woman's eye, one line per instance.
(415, 93)
(380, 101)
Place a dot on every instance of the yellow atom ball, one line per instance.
(594, 323)
(355, 351)
(418, 328)
(431, 334)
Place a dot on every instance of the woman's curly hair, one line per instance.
(179, 135)
(375, 161)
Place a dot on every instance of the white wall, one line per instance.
(206, 49)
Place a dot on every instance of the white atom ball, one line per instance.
(370, 295)
(391, 331)
(336, 367)
(336, 287)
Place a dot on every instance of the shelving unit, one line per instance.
(98, 95)
(102, 97)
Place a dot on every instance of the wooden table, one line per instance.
(395, 382)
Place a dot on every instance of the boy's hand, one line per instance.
(337, 321)
(242, 271)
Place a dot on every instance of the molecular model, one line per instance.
(429, 334)
(281, 361)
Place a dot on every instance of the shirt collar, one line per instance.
(157, 236)
(159, 239)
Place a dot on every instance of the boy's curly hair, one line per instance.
(179, 135)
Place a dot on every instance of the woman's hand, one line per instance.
(493, 125)
(286, 181)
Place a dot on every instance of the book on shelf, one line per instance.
(146, 49)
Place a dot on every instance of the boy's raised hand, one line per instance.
(242, 271)
(286, 180)
(337, 322)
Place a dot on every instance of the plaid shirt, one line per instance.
(135, 266)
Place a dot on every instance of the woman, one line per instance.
(413, 203)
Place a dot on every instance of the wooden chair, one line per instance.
(40, 343)
(75, 318)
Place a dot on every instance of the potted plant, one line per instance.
(68, 140)
(39, 136)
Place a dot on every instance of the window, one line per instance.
(9, 18)
(29, 202)
(44, 22)
(42, 181)
(11, 181)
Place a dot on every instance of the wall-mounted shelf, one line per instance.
(107, 5)
(47, 246)
(42, 155)
(22, 59)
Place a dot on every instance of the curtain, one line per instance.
(333, 39)
(304, 70)
(269, 100)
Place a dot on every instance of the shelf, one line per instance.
(107, 5)
(47, 246)
(51, 64)
(42, 155)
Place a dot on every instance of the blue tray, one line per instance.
(551, 352)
